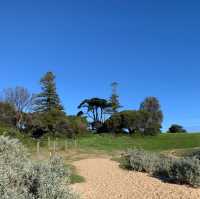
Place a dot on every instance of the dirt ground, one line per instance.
(105, 180)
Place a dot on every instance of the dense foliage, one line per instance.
(132, 121)
(175, 128)
(48, 99)
(181, 171)
(21, 178)
(155, 119)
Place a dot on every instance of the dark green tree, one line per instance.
(114, 99)
(49, 115)
(154, 123)
(48, 99)
(130, 120)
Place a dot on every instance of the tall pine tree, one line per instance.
(114, 99)
(48, 100)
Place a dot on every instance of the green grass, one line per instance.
(155, 143)
(75, 177)
(109, 143)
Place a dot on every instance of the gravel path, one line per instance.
(105, 180)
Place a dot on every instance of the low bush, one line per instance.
(21, 178)
(195, 154)
(185, 171)
(140, 160)
(180, 171)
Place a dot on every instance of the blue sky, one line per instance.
(150, 47)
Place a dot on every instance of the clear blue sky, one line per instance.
(151, 47)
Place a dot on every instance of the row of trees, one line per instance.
(147, 120)
(39, 113)
(105, 115)
(42, 113)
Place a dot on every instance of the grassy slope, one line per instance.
(109, 143)
(158, 143)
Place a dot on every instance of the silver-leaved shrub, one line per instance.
(21, 178)
(177, 170)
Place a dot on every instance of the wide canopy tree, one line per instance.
(95, 109)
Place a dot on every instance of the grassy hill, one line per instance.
(110, 143)
(156, 143)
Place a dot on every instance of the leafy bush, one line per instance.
(180, 171)
(21, 178)
(175, 128)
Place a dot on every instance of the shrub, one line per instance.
(180, 171)
(21, 178)
(185, 171)
(195, 154)
(175, 128)
(140, 160)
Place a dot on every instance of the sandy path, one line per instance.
(105, 180)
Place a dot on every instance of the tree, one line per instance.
(76, 126)
(49, 115)
(53, 122)
(114, 99)
(175, 128)
(48, 99)
(95, 109)
(154, 123)
(112, 124)
(128, 120)
(21, 100)
(19, 97)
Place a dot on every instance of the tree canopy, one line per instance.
(152, 106)
(95, 109)
(48, 99)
